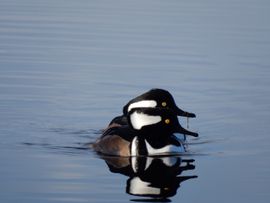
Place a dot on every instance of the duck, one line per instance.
(154, 98)
(149, 132)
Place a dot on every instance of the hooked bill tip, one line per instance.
(189, 115)
(195, 134)
(180, 112)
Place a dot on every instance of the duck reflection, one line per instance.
(157, 178)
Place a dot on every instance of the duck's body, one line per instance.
(115, 141)
(149, 132)
(123, 141)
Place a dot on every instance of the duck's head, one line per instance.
(156, 98)
(156, 121)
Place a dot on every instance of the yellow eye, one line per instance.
(167, 121)
(164, 104)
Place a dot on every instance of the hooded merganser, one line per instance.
(149, 132)
(154, 98)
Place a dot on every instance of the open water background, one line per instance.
(67, 68)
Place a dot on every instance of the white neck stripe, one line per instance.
(142, 104)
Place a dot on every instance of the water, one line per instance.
(68, 67)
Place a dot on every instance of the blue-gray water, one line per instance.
(67, 67)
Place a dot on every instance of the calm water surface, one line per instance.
(68, 67)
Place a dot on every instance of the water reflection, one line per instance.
(153, 178)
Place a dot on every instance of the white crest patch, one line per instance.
(167, 150)
(138, 120)
(143, 104)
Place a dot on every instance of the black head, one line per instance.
(156, 98)
(156, 121)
